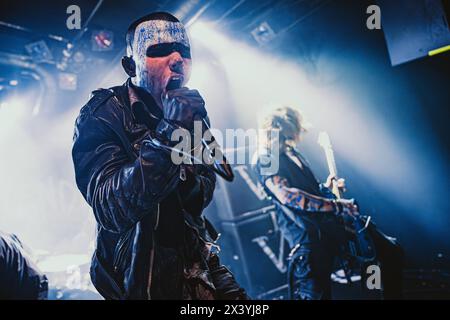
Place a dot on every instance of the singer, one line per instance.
(152, 240)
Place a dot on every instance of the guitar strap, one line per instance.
(305, 169)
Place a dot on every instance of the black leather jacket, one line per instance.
(136, 194)
(20, 278)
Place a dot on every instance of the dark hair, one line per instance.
(152, 16)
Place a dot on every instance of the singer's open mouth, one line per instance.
(175, 82)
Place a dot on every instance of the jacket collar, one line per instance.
(143, 106)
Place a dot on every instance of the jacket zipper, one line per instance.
(212, 244)
(120, 251)
(152, 255)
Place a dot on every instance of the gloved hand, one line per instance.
(183, 106)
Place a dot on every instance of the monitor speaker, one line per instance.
(414, 29)
(254, 249)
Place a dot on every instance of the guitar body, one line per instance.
(364, 247)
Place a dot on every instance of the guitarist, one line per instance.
(308, 213)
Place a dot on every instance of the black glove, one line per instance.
(226, 286)
(183, 106)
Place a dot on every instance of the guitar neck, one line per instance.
(331, 162)
(333, 171)
(325, 143)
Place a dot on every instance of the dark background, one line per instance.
(391, 131)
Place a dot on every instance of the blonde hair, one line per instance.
(287, 121)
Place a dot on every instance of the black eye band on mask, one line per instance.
(165, 49)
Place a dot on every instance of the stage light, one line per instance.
(13, 82)
(254, 79)
(102, 40)
(67, 81)
(198, 29)
(39, 51)
(263, 33)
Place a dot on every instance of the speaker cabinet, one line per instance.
(254, 249)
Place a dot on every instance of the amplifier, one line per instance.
(255, 250)
(232, 199)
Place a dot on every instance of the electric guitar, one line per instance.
(362, 246)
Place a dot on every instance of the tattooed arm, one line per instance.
(300, 200)
(296, 198)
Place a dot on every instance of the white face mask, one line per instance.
(149, 33)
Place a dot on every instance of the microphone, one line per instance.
(222, 168)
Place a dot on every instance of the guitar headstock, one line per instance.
(324, 140)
